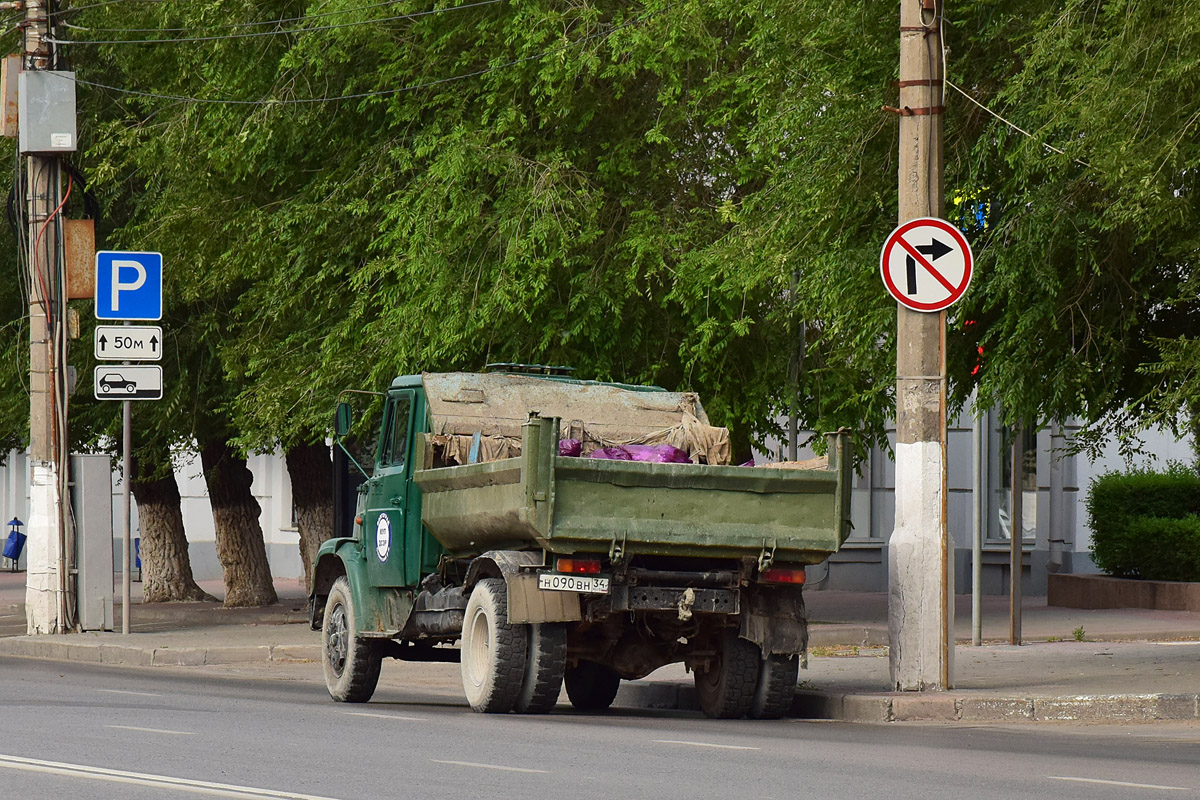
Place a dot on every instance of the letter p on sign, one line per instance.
(128, 285)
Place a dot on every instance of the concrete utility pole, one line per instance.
(46, 580)
(920, 579)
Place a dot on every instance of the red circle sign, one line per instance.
(926, 264)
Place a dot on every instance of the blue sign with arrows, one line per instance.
(129, 285)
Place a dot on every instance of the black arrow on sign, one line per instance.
(102, 342)
(935, 250)
(153, 343)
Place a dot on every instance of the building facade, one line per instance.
(1054, 520)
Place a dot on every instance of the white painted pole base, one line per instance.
(920, 596)
(42, 587)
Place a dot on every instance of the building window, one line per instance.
(1000, 477)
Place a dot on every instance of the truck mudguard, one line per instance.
(380, 612)
(526, 603)
(774, 619)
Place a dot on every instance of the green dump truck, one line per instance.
(490, 519)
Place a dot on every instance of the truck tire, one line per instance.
(493, 651)
(544, 668)
(776, 686)
(725, 688)
(591, 686)
(351, 663)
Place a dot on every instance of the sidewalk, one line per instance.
(1132, 664)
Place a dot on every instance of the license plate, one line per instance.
(572, 583)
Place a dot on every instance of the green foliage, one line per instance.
(1144, 524)
(651, 192)
(1166, 549)
(1085, 290)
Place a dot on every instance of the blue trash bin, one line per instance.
(14, 545)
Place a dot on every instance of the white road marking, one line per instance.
(489, 766)
(1121, 783)
(1176, 644)
(122, 691)
(145, 779)
(382, 716)
(150, 730)
(707, 744)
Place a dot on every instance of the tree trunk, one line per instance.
(240, 545)
(311, 471)
(166, 567)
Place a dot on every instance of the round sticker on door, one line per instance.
(383, 537)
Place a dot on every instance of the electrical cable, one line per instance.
(362, 95)
(252, 34)
(1014, 126)
(105, 3)
(231, 25)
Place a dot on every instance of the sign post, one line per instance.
(128, 288)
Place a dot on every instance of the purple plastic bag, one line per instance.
(570, 448)
(655, 453)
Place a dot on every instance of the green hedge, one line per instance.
(1147, 524)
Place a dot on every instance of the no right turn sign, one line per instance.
(926, 264)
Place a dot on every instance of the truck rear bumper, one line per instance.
(683, 601)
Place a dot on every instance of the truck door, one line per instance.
(387, 495)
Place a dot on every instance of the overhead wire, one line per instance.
(226, 26)
(364, 95)
(101, 5)
(252, 34)
(1014, 126)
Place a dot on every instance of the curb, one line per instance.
(947, 707)
(132, 655)
(882, 707)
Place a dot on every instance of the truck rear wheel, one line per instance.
(776, 686)
(725, 688)
(591, 686)
(493, 651)
(543, 668)
(351, 663)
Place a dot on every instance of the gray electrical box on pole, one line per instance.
(46, 103)
(91, 502)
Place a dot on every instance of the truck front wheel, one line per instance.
(351, 663)
(725, 688)
(493, 651)
(591, 686)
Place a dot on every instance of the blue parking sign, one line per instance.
(129, 285)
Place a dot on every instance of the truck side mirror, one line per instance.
(342, 420)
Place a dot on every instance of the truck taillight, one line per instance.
(579, 566)
(782, 575)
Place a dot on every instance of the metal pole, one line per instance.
(978, 505)
(126, 505)
(126, 508)
(1017, 533)
(921, 601)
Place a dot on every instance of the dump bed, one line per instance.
(568, 505)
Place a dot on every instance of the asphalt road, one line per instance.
(69, 730)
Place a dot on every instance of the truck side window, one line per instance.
(398, 446)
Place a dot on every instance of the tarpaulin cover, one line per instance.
(599, 415)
